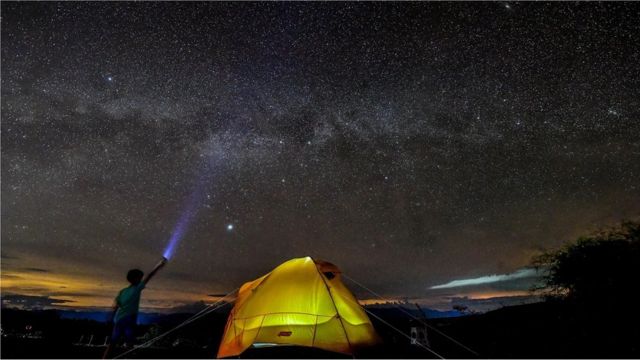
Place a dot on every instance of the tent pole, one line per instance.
(335, 307)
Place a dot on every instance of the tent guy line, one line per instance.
(411, 315)
(207, 310)
(403, 334)
(252, 286)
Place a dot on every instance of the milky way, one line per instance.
(411, 144)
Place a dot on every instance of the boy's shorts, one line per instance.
(125, 326)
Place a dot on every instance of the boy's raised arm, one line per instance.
(159, 266)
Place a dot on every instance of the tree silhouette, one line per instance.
(599, 269)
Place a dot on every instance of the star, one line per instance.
(365, 121)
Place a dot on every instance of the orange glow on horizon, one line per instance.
(496, 294)
(86, 292)
(78, 291)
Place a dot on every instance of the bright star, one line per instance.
(229, 227)
(109, 78)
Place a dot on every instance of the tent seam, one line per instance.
(335, 307)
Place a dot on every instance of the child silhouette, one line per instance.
(126, 306)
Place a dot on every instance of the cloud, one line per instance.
(34, 269)
(489, 279)
(11, 276)
(31, 302)
(73, 294)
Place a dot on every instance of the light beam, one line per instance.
(186, 218)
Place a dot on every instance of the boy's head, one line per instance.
(135, 276)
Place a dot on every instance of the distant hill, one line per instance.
(146, 318)
(103, 316)
(411, 309)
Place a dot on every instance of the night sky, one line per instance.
(411, 144)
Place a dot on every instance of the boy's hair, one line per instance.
(135, 275)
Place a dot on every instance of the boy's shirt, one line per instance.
(128, 301)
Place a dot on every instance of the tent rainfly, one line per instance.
(302, 302)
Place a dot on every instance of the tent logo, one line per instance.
(284, 333)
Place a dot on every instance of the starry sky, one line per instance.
(412, 144)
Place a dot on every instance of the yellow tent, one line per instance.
(301, 302)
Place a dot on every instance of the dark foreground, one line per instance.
(542, 330)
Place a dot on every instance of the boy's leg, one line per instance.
(129, 335)
(129, 330)
(115, 336)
